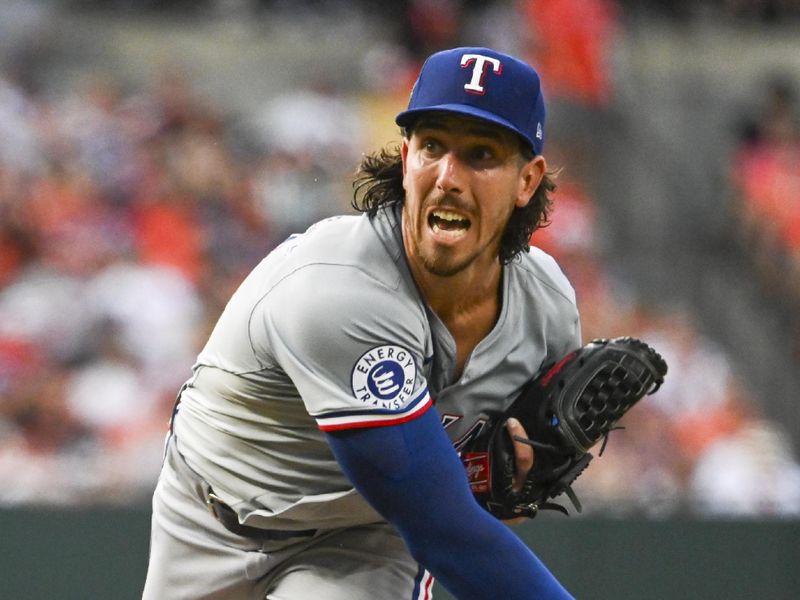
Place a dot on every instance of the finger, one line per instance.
(516, 521)
(523, 453)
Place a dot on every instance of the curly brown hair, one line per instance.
(379, 182)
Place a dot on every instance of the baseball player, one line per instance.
(313, 453)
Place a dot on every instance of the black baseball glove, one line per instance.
(565, 410)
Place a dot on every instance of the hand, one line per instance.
(523, 458)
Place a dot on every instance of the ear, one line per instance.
(530, 176)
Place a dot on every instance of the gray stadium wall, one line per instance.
(102, 554)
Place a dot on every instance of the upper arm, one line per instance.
(352, 346)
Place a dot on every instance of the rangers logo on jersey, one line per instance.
(384, 377)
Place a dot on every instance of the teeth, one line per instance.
(448, 224)
(446, 215)
(450, 233)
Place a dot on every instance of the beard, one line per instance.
(442, 260)
(449, 262)
(443, 264)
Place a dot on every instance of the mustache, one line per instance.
(445, 200)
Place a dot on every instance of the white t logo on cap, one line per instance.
(475, 85)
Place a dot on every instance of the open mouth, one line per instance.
(447, 223)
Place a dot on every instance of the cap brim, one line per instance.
(406, 118)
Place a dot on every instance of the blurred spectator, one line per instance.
(432, 25)
(314, 121)
(109, 393)
(314, 137)
(155, 309)
(570, 43)
(17, 248)
(45, 307)
(765, 173)
(749, 473)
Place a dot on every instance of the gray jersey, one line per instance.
(330, 332)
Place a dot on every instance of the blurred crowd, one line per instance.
(765, 175)
(128, 217)
(126, 221)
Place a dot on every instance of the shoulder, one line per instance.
(342, 258)
(343, 247)
(341, 276)
(547, 305)
(539, 271)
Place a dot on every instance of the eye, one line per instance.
(431, 145)
(483, 153)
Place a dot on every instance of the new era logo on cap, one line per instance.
(482, 83)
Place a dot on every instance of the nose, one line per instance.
(451, 174)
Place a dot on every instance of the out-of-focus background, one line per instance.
(152, 151)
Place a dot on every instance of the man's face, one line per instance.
(462, 179)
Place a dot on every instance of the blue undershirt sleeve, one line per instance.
(411, 474)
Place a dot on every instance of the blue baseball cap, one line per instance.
(482, 83)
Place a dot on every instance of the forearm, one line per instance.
(413, 477)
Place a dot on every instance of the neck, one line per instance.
(462, 292)
(468, 304)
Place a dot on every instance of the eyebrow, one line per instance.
(471, 128)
